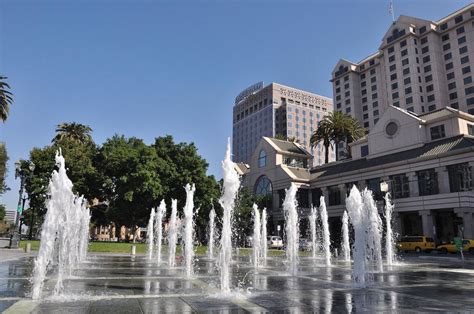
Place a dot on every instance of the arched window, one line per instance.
(263, 186)
(262, 159)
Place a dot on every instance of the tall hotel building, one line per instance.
(274, 110)
(421, 66)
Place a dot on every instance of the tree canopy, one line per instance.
(6, 98)
(75, 132)
(124, 177)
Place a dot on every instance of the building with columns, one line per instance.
(427, 161)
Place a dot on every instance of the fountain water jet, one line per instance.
(389, 242)
(264, 245)
(346, 249)
(189, 229)
(149, 234)
(172, 234)
(374, 234)
(326, 235)
(291, 228)
(230, 188)
(358, 218)
(159, 229)
(64, 233)
(256, 240)
(312, 224)
(212, 227)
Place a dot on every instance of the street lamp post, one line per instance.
(19, 173)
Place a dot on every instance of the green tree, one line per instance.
(243, 224)
(2, 212)
(75, 132)
(80, 158)
(322, 135)
(3, 167)
(132, 185)
(182, 165)
(6, 98)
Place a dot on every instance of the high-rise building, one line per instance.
(421, 66)
(277, 110)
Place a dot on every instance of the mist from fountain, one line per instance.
(326, 234)
(160, 213)
(312, 227)
(256, 239)
(389, 238)
(374, 234)
(291, 228)
(172, 234)
(346, 248)
(64, 233)
(149, 234)
(230, 188)
(212, 231)
(264, 244)
(189, 229)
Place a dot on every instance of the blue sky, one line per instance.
(150, 68)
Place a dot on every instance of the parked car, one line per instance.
(305, 245)
(467, 246)
(416, 243)
(274, 242)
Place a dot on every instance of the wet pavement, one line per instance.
(125, 284)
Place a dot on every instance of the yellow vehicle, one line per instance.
(416, 243)
(467, 246)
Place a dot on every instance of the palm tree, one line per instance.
(6, 98)
(337, 127)
(322, 134)
(353, 132)
(75, 132)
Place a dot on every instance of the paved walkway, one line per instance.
(124, 284)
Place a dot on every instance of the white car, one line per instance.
(274, 242)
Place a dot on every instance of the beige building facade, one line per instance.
(421, 66)
(276, 110)
(427, 160)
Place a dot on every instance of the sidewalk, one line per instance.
(13, 254)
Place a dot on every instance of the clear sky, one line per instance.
(150, 68)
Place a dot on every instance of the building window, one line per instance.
(427, 182)
(464, 59)
(394, 85)
(469, 90)
(446, 46)
(437, 132)
(422, 29)
(262, 159)
(461, 40)
(428, 78)
(470, 129)
(449, 66)
(374, 186)
(463, 50)
(466, 70)
(445, 37)
(431, 98)
(392, 67)
(460, 177)
(364, 150)
(460, 30)
(400, 186)
(303, 198)
(409, 101)
(467, 80)
(404, 53)
(432, 108)
(406, 71)
(458, 19)
(334, 195)
(443, 26)
(453, 96)
(427, 68)
(393, 76)
(263, 186)
(391, 58)
(391, 49)
(408, 90)
(448, 56)
(372, 72)
(424, 40)
(450, 76)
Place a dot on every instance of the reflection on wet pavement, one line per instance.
(124, 284)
